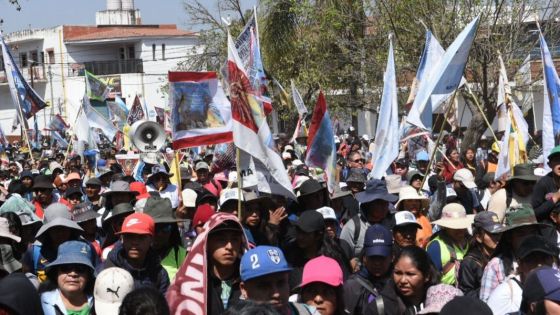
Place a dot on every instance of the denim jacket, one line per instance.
(52, 303)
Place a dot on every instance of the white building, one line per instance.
(134, 56)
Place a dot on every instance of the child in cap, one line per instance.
(134, 253)
(265, 278)
(321, 286)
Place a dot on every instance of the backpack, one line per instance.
(378, 298)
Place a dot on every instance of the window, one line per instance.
(154, 52)
(23, 59)
(121, 53)
(131, 54)
(34, 58)
(50, 53)
(163, 51)
(43, 57)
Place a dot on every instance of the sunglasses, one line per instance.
(73, 267)
(359, 161)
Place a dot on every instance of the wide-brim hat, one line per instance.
(376, 189)
(454, 216)
(8, 261)
(84, 212)
(309, 187)
(71, 259)
(524, 172)
(121, 208)
(160, 210)
(63, 222)
(43, 181)
(159, 169)
(410, 193)
(119, 187)
(519, 216)
(394, 183)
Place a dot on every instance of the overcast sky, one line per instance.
(49, 13)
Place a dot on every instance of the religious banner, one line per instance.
(200, 111)
(128, 162)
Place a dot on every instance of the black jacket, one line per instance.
(19, 295)
(152, 274)
(215, 305)
(542, 206)
(471, 271)
(393, 304)
(356, 296)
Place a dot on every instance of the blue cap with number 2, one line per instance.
(261, 261)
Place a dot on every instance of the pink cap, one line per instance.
(322, 269)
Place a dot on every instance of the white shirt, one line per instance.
(506, 297)
(170, 192)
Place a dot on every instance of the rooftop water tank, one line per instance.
(114, 4)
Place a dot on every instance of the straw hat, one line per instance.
(454, 216)
(410, 193)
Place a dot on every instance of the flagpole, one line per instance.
(239, 181)
(70, 143)
(440, 136)
(482, 112)
(23, 123)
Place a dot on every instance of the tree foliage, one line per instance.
(341, 46)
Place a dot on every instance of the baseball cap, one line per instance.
(535, 244)
(138, 223)
(201, 165)
(311, 221)
(327, 213)
(488, 221)
(378, 241)
(466, 177)
(261, 261)
(322, 269)
(73, 190)
(73, 176)
(111, 286)
(422, 156)
(94, 181)
(554, 151)
(405, 218)
(541, 284)
(202, 214)
(189, 197)
(229, 194)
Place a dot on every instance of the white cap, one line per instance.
(365, 137)
(336, 139)
(232, 177)
(189, 197)
(296, 162)
(229, 194)
(328, 213)
(286, 155)
(405, 217)
(466, 177)
(111, 286)
(288, 147)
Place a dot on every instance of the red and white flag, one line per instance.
(251, 133)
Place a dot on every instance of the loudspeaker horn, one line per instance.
(147, 136)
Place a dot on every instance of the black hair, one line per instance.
(129, 179)
(449, 150)
(331, 248)
(16, 187)
(144, 301)
(248, 307)
(422, 262)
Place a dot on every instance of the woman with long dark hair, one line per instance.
(451, 164)
(405, 293)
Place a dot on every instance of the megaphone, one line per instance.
(147, 136)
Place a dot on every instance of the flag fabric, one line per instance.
(3, 139)
(188, 292)
(136, 112)
(96, 89)
(59, 139)
(121, 104)
(386, 147)
(200, 110)
(23, 96)
(251, 133)
(160, 118)
(243, 41)
(57, 123)
(83, 132)
(443, 79)
(551, 109)
(257, 75)
(516, 131)
(321, 150)
(96, 120)
(151, 113)
(280, 94)
(298, 101)
(116, 113)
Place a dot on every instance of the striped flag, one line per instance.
(320, 142)
(551, 106)
(445, 77)
(386, 147)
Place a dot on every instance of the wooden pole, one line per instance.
(482, 112)
(239, 182)
(440, 136)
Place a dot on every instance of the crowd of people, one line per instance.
(77, 238)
